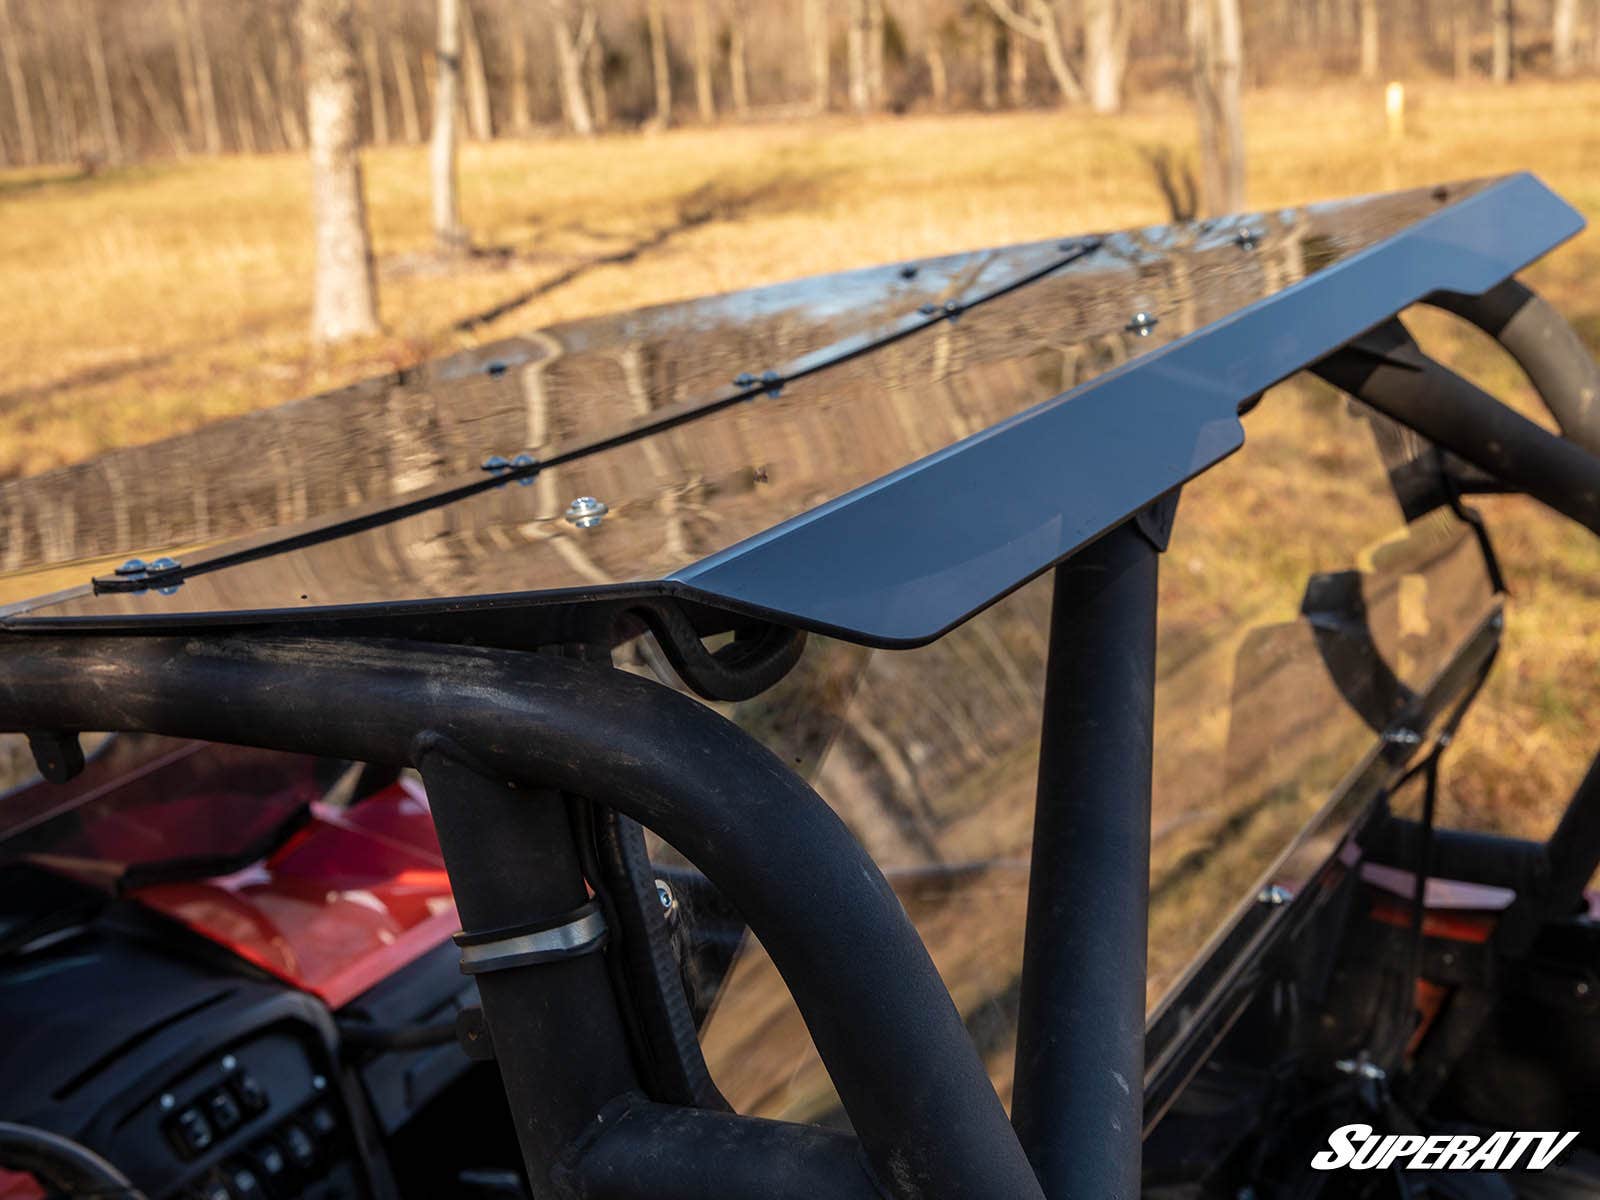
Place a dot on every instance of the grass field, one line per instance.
(149, 300)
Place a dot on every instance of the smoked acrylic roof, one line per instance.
(877, 454)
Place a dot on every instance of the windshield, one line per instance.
(143, 799)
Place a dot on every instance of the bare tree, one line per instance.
(705, 98)
(372, 63)
(817, 39)
(1371, 60)
(18, 83)
(1564, 36)
(205, 88)
(738, 62)
(1461, 37)
(480, 118)
(1039, 21)
(345, 298)
(178, 18)
(1503, 64)
(572, 49)
(95, 50)
(1105, 53)
(660, 63)
(521, 109)
(856, 56)
(875, 36)
(1217, 60)
(448, 232)
(1016, 69)
(406, 89)
(594, 74)
(988, 44)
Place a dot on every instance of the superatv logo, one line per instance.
(1356, 1148)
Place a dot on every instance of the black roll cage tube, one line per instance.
(519, 750)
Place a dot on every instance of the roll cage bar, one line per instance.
(526, 755)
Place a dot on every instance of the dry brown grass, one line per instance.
(150, 300)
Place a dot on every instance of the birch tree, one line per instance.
(17, 82)
(572, 44)
(704, 96)
(344, 303)
(1564, 36)
(1371, 60)
(1105, 53)
(448, 233)
(816, 17)
(1216, 60)
(1503, 63)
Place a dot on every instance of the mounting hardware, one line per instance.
(1141, 323)
(1275, 895)
(134, 566)
(586, 512)
(1246, 238)
(494, 367)
(927, 310)
(909, 271)
(1401, 736)
(579, 932)
(743, 379)
(669, 902)
(1361, 1067)
(57, 754)
(496, 462)
(772, 382)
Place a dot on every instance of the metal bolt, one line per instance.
(909, 271)
(229, 1062)
(743, 379)
(928, 310)
(1402, 737)
(1246, 238)
(586, 512)
(134, 566)
(1582, 989)
(1362, 1067)
(664, 894)
(772, 381)
(168, 1102)
(1141, 323)
(1274, 895)
(952, 308)
(318, 1083)
(165, 564)
(495, 462)
(495, 368)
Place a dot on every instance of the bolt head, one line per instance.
(168, 1102)
(909, 271)
(586, 512)
(495, 462)
(229, 1062)
(1246, 238)
(1141, 323)
(664, 894)
(134, 566)
(164, 564)
(1275, 895)
(743, 379)
(495, 368)
(928, 310)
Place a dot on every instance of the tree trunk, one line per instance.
(738, 67)
(345, 303)
(660, 63)
(284, 86)
(18, 83)
(988, 58)
(821, 66)
(480, 117)
(571, 50)
(1461, 38)
(267, 108)
(448, 233)
(856, 46)
(372, 62)
(1504, 65)
(204, 85)
(521, 111)
(1564, 36)
(410, 116)
(938, 77)
(705, 98)
(1104, 54)
(244, 129)
(182, 44)
(1217, 60)
(1371, 61)
(1016, 69)
(594, 70)
(167, 120)
(875, 23)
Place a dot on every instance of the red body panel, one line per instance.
(350, 899)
